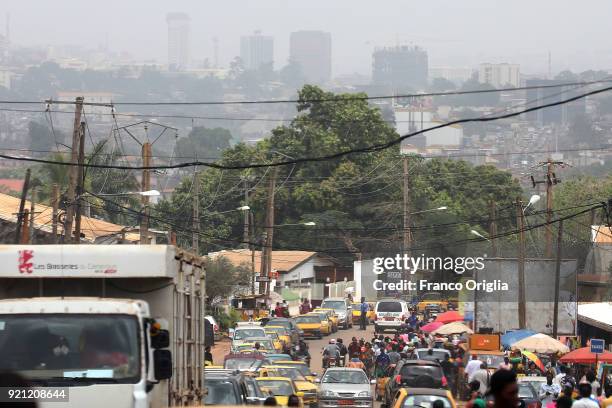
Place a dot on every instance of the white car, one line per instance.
(390, 314)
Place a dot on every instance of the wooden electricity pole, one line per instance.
(80, 186)
(73, 170)
(557, 279)
(549, 204)
(24, 195)
(520, 222)
(55, 197)
(493, 227)
(266, 258)
(31, 230)
(146, 186)
(195, 238)
(406, 236)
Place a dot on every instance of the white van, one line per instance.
(390, 314)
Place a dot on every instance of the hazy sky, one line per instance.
(454, 32)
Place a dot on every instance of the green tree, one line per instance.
(442, 84)
(42, 139)
(204, 143)
(222, 277)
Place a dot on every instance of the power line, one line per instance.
(367, 149)
(345, 98)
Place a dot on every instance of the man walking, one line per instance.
(364, 311)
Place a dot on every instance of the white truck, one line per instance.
(114, 325)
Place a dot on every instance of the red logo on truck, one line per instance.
(25, 261)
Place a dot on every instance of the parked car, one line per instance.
(343, 308)
(342, 386)
(390, 314)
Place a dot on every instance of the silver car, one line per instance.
(341, 387)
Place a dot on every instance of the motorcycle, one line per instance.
(329, 362)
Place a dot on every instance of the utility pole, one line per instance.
(520, 222)
(55, 197)
(146, 186)
(550, 181)
(72, 174)
(246, 214)
(406, 240)
(557, 279)
(493, 227)
(252, 246)
(80, 186)
(32, 212)
(266, 258)
(195, 239)
(25, 231)
(24, 194)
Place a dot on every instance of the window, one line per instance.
(220, 393)
(345, 377)
(425, 401)
(389, 307)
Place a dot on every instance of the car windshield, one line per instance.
(293, 373)
(278, 357)
(333, 304)
(425, 401)
(70, 346)
(243, 334)
(281, 331)
(436, 355)
(308, 319)
(284, 323)
(492, 360)
(276, 387)
(242, 363)
(273, 335)
(346, 377)
(526, 391)
(389, 307)
(302, 367)
(415, 370)
(220, 392)
(431, 297)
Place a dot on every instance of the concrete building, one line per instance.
(400, 67)
(179, 46)
(559, 115)
(256, 50)
(312, 51)
(410, 119)
(500, 75)
(457, 75)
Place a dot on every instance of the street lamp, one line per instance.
(534, 199)
(308, 224)
(148, 193)
(243, 208)
(479, 235)
(430, 210)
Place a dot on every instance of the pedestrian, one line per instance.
(354, 348)
(355, 362)
(208, 357)
(293, 401)
(343, 351)
(533, 371)
(449, 372)
(595, 386)
(364, 311)
(585, 400)
(548, 391)
(483, 376)
(475, 399)
(506, 365)
(278, 310)
(472, 366)
(564, 402)
(394, 355)
(504, 389)
(305, 306)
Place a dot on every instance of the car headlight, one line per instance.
(364, 394)
(327, 393)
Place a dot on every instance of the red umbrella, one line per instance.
(449, 317)
(429, 327)
(584, 356)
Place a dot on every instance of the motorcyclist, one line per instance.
(331, 351)
(343, 351)
(300, 351)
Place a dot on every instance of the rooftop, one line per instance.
(282, 261)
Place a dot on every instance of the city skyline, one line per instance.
(447, 31)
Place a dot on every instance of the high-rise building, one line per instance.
(256, 50)
(500, 75)
(400, 67)
(179, 27)
(312, 51)
(562, 114)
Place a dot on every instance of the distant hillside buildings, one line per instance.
(312, 51)
(256, 50)
(400, 67)
(500, 75)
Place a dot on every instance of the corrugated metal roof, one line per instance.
(282, 261)
(91, 228)
(596, 314)
(601, 234)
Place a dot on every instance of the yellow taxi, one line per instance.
(283, 334)
(332, 316)
(276, 341)
(326, 324)
(370, 315)
(300, 365)
(432, 299)
(311, 325)
(282, 388)
(422, 397)
(309, 389)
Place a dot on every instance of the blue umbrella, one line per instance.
(512, 337)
